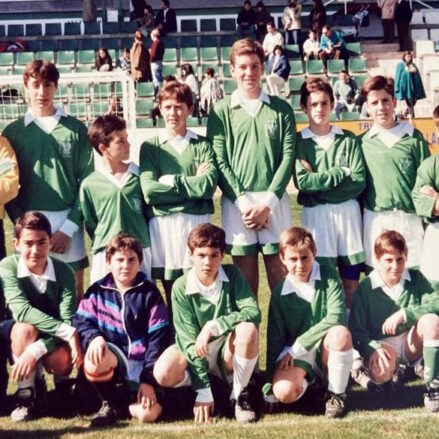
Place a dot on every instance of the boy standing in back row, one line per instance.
(254, 137)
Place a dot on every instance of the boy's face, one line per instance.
(318, 108)
(381, 105)
(34, 248)
(247, 72)
(344, 77)
(124, 265)
(41, 95)
(391, 266)
(207, 261)
(298, 262)
(175, 114)
(118, 149)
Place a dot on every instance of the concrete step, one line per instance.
(376, 47)
(381, 55)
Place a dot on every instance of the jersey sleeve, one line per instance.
(88, 210)
(426, 175)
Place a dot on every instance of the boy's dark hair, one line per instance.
(312, 85)
(123, 242)
(344, 71)
(176, 90)
(187, 69)
(169, 78)
(166, 3)
(32, 220)
(271, 23)
(436, 112)
(375, 83)
(210, 71)
(207, 235)
(246, 46)
(41, 69)
(296, 237)
(278, 47)
(390, 240)
(102, 130)
(247, 2)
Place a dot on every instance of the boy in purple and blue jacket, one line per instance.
(124, 327)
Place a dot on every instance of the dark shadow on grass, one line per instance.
(42, 433)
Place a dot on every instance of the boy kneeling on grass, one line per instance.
(306, 333)
(216, 320)
(124, 327)
(394, 318)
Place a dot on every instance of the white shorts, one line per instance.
(430, 253)
(76, 250)
(408, 224)
(99, 267)
(337, 230)
(242, 241)
(169, 250)
(398, 343)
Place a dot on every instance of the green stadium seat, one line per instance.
(188, 54)
(359, 80)
(292, 51)
(104, 90)
(53, 29)
(16, 30)
(295, 102)
(18, 70)
(80, 91)
(111, 43)
(192, 121)
(203, 121)
(72, 29)
(92, 28)
(296, 67)
(208, 41)
(300, 117)
(209, 54)
(118, 89)
(353, 49)
(335, 66)
(295, 84)
(144, 122)
(227, 24)
(110, 28)
(11, 111)
(5, 71)
(226, 71)
(128, 27)
(160, 123)
(229, 86)
(144, 106)
(90, 44)
(48, 55)
(34, 30)
(2, 30)
(189, 25)
(145, 89)
(169, 69)
(64, 69)
(24, 57)
(66, 57)
(170, 55)
(49, 45)
(62, 93)
(188, 41)
(357, 65)
(126, 42)
(225, 54)
(68, 45)
(99, 108)
(208, 24)
(86, 57)
(228, 40)
(350, 115)
(87, 68)
(170, 41)
(315, 67)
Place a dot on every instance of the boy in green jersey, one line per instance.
(329, 173)
(40, 293)
(216, 320)
(306, 332)
(53, 156)
(392, 152)
(178, 178)
(254, 138)
(111, 198)
(394, 318)
(425, 196)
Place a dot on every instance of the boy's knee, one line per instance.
(23, 334)
(165, 377)
(287, 391)
(339, 338)
(429, 325)
(247, 333)
(59, 362)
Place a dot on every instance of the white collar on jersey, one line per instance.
(30, 117)
(194, 286)
(237, 100)
(376, 280)
(393, 135)
(133, 169)
(305, 290)
(164, 136)
(322, 141)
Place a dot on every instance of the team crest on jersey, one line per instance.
(405, 164)
(65, 148)
(136, 204)
(271, 128)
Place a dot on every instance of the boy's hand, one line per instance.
(379, 361)
(76, 350)
(256, 217)
(146, 396)
(202, 169)
(287, 362)
(391, 324)
(96, 350)
(23, 366)
(60, 242)
(306, 165)
(203, 411)
(202, 341)
(429, 191)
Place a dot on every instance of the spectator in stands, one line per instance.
(124, 62)
(317, 17)
(272, 39)
(403, 16)
(103, 63)
(89, 11)
(148, 19)
(346, 93)
(263, 17)
(291, 22)
(278, 71)
(166, 20)
(311, 47)
(246, 20)
(387, 18)
(188, 77)
(408, 83)
(436, 120)
(156, 53)
(210, 92)
(140, 61)
(114, 106)
(332, 45)
(138, 8)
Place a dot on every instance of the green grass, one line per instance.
(399, 414)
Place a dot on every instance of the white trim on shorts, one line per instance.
(430, 253)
